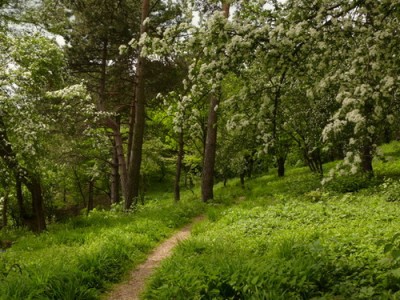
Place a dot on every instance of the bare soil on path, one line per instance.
(131, 289)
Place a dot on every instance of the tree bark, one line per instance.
(207, 183)
(90, 205)
(114, 197)
(4, 210)
(281, 166)
(135, 159)
(242, 179)
(366, 159)
(131, 127)
(78, 183)
(179, 161)
(225, 9)
(35, 188)
(20, 200)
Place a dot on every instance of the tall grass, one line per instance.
(291, 238)
(81, 258)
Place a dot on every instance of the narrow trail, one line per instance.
(131, 289)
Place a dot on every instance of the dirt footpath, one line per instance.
(131, 289)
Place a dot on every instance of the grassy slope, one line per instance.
(79, 259)
(287, 240)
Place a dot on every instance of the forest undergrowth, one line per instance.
(81, 258)
(276, 238)
(292, 239)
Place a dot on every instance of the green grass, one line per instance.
(291, 238)
(284, 238)
(81, 258)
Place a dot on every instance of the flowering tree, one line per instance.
(33, 101)
(356, 42)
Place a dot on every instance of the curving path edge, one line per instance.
(131, 289)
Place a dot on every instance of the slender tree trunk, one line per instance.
(135, 159)
(242, 179)
(114, 197)
(5, 210)
(366, 159)
(122, 166)
(78, 183)
(281, 166)
(90, 205)
(179, 161)
(225, 9)
(103, 77)
(131, 127)
(207, 183)
(20, 200)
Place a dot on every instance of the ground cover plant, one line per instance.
(80, 258)
(291, 240)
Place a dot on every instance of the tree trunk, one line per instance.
(135, 159)
(131, 127)
(4, 210)
(242, 179)
(78, 183)
(114, 197)
(281, 166)
(123, 171)
(210, 151)
(90, 205)
(366, 159)
(225, 9)
(38, 222)
(20, 200)
(207, 183)
(179, 161)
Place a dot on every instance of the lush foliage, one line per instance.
(283, 83)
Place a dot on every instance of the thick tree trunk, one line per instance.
(179, 161)
(37, 221)
(135, 159)
(225, 9)
(207, 183)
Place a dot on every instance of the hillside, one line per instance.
(288, 240)
(276, 238)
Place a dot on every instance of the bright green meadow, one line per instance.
(81, 258)
(288, 239)
(277, 238)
